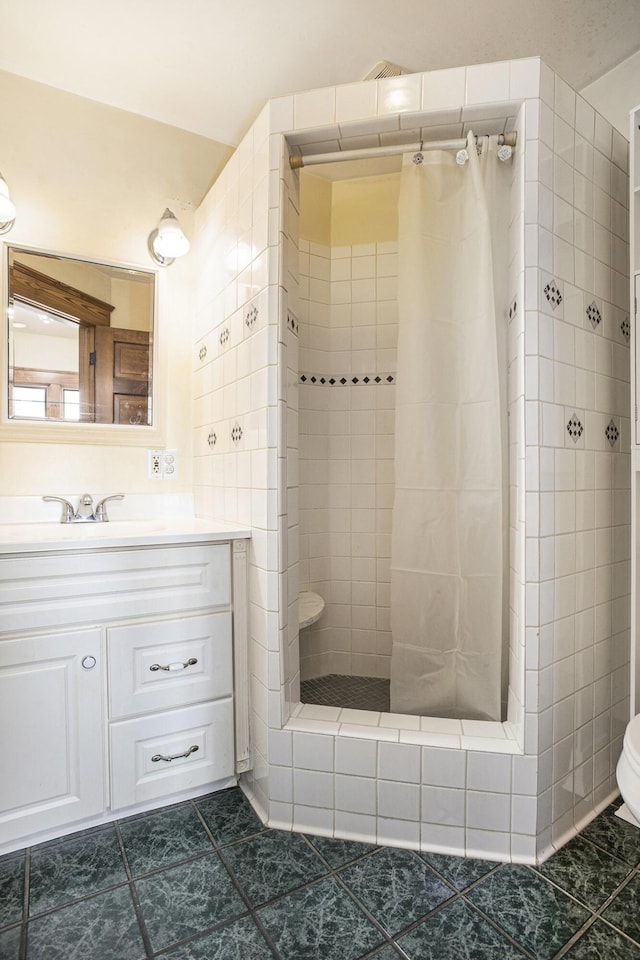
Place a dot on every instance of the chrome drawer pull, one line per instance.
(176, 756)
(191, 662)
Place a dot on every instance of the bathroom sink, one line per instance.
(23, 532)
(52, 535)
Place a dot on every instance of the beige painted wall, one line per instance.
(617, 92)
(91, 180)
(346, 212)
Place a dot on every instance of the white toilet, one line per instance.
(628, 773)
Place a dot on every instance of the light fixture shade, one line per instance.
(168, 241)
(7, 207)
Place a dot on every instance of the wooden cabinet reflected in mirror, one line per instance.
(80, 339)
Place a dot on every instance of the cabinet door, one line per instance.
(51, 731)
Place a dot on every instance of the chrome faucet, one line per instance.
(85, 512)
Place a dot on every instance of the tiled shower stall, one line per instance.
(509, 790)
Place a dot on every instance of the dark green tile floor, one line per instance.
(204, 880)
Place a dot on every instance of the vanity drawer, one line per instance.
(69, 588)
(138, 771)
(197, 651)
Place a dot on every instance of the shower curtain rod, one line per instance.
(297, 160)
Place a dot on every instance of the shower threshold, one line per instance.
(340, 690)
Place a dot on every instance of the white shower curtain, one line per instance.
(447, 534)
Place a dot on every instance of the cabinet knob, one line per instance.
(89, 662)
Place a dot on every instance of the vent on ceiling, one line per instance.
(384, 69)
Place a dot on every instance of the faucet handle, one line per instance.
(101, 509)
(68, 511)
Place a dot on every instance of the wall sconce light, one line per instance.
(7, 208)
(167, 241)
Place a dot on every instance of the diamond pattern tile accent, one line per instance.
(625, 327)
(367, 379)
(594, 315)
(224, 336)
(202, 352)
(552, 293)
(575, 428)
(236, 433)
(513, 309)
(212, 439)
(251, 316)
(612, 433)
(293, 323)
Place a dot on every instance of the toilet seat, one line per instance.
(628, 769)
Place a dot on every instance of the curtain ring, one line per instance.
(418, 157)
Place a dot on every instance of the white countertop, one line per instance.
(54, 536)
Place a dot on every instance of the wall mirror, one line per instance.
(80, 340)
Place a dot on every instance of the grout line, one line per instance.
(133, 893)
(25, 905)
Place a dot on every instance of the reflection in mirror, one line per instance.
(80, 340)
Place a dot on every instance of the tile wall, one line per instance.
(443, 785)
(348, 334)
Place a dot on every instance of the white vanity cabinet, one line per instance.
(117, 683)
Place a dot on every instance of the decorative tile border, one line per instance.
(575, 428)
(594, 315)
(251, 316)
(612, 433)
(293, 323)
(625, 328)
(347, 380)
(553, 294)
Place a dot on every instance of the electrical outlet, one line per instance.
(162, 464)
(170, 464)
(154, 464)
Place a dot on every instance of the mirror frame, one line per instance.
(57, 431)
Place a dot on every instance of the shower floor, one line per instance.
(355, 693)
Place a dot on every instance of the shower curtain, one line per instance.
(447, 528)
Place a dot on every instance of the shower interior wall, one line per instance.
(502, 791)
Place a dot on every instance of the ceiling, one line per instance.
(209, 65)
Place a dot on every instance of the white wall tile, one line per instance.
(486, 82)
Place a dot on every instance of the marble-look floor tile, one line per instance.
(623, 912)
(457, 932)
(616, 836)
(77, 868)
(182, 901)
(273, 863)
(600, 942)
(396, 886)
(10, 943)
(104, 927)
(11, 890)
(532, 911)
(459, 871)
(585, 871)
(229, 816)
(241, 940)
(163, 839)
(338, 852)
(320, 921)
